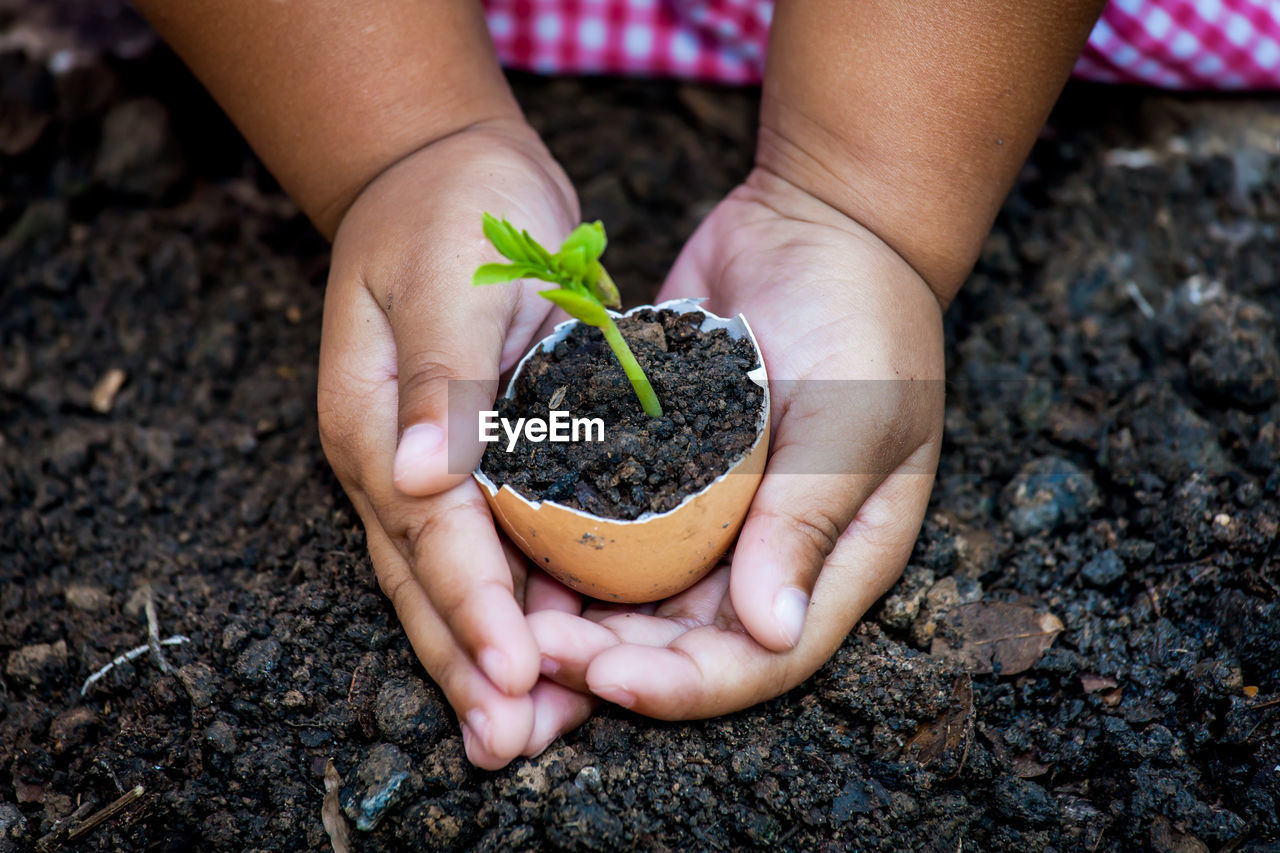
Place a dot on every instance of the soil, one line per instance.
(711, 412)
(1112, 458)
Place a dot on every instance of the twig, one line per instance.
(60, 827)
(153, 634)
(1138, 299)
(352, 689)
(108, 811)
(335, 822)
(176, 640)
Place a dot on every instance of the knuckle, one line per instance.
(424, 374)
(818, 528)
(396, 587)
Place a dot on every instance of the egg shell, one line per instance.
(655, 555)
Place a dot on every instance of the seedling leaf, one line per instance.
(505, 238)
(579, 307)
(584, 286)
(502, 273)
(605, 290)
(589, 238)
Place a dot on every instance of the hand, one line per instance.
(852, 339)
(401, 320)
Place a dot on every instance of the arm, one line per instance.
(330, 94)
(890, 133)
(392, 127)
(913, 119)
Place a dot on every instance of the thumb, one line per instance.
(836, 444)
(447, 360)
(793, 526)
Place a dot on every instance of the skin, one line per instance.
(889, 135)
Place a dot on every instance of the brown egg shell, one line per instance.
(656, 555)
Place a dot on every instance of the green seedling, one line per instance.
(585, 288)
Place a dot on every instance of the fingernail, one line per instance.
(616, 695)
(789, 608)
(418, 444)
(495, 665)
(549, 666)
(479, 725)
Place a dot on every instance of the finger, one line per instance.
(707, 671)
(496, 727)
(459, 561)
(543, 592)
(556, 711)
(568, 643)
(447, 360)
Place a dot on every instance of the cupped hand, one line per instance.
(408, 346)
(852, 339)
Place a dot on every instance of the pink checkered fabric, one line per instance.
(1172, 44)
(1186, 44)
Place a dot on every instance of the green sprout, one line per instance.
(585, 288)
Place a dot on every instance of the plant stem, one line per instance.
(631, 367)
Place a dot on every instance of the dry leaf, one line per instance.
(949, 730)
(335, 822)
(1168, 838)
(1094, 683)
(1026, 767)
(995, 637)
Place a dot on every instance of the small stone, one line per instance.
(976, 552)
(139, 155)
(104, 392)
(588, 779)
(1048, 494)
(532, 777)
(233, 635)
(1023, 801)
(902, 604)
(858, 796)
(36, 664)
(948, 593)
(221, 737)
(379, 783)
(72, 728)
(294, 699)
(651, 333)
(259, 659)
(408, 713)
(86, 598)
(200, 682)
(13, 824)
(1104, 569)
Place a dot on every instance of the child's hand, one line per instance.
(401, 321)
(852, 338)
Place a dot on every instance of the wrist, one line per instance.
(934, 225)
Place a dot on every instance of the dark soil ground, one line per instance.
(711, 417)
(1112, 458)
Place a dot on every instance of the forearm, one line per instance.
(913, 118)
(331, 92)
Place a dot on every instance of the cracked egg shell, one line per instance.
(656, 555)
